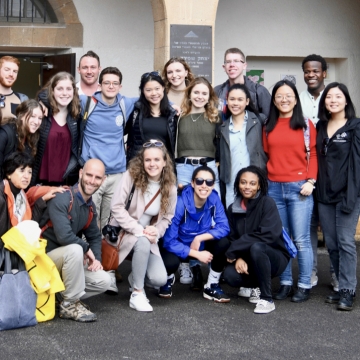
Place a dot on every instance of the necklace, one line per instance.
(196, 118)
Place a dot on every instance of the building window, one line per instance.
(27, 11)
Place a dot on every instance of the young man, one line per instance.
(9, 100)
(235, 68)
(103, 132)
(89, 69)
(69, 251)
(314, 67)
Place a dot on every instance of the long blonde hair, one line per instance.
(140, 177)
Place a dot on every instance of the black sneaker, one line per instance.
(216, 293)
(198, 281)
(333, 298)
(166, 290)
(346, 300)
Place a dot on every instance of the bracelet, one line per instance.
(311, 182)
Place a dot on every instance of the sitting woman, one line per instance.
(151, 178)
(257, 252)
(14, 207)
(197, 232)
(21, 133)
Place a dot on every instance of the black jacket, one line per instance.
(260, 223)
(134, 129)
(44, 134)
(339, 170)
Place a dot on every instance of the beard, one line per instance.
(6, 83)
(83, 188)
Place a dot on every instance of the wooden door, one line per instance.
(64, 62)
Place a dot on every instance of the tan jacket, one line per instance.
(128, 220)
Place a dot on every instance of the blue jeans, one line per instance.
(339, 231)
(295, 212)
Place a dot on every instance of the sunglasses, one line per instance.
(208, 182)
(151, 143)
(148, 74)
(325, 144)
(2, 101)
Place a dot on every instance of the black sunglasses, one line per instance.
(208, 182)
(148, 74)
(2, 101)
(325, 144)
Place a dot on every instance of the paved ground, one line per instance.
(190, 327)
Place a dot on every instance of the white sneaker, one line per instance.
(131, 286)
(255, 296)
(314, 278)
(264, 307)
(186, 275)
(244, 292)
(140, 302)
(334, 282)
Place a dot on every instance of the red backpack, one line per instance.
(37, 192)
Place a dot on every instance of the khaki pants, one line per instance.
(78, 280)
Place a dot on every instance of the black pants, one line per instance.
(215, 247)
(264, 263)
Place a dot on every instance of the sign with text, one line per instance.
(193, 43)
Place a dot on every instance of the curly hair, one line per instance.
(74, 106)
(23, 113)
(167, 180)
(189, 77)
(211, 111)
(314, 57)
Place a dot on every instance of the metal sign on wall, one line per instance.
(193, 43)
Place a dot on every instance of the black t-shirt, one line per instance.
(156, 128)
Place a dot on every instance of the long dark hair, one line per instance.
(164, 103)
(249, 107)
(324, 114)
(297, 120)
(261, 174)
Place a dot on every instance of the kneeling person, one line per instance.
(199, 222)
(69, 251)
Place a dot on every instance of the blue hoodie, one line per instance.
(103, 135)
(187, 223)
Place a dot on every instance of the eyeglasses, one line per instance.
(325, 144)
(2, 101)
(208, 182)
(151, 143)
(153, 73)
(228, 62)
(113, 83)
(286, 97)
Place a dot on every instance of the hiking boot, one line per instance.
(346, 299)
(165, 291)
(244, 292)
(186, 275)
(264, 307)
(333, 298)
(216, 293)
(197, 283)
(283, 292)
(301, 295)
(77, 311)
(255, 296)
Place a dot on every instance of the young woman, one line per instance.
(153, 117)
(257, 252)
(240, 138)
(290, 144)
(56, 159)
(177, 76)
(150, 213)
(21, 133)
(338, 187)
(197, 232)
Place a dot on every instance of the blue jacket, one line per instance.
(103, 134)
(187, 223)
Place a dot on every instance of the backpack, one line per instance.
(36, 192)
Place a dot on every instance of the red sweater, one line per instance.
(286, 151)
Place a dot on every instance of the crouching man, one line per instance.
(78, 261)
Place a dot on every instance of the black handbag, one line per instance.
(17, 297)
(111, 232)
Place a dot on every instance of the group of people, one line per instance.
(206, 175)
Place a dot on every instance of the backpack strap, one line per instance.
(90, 217)
(307, 141)
(123, 110)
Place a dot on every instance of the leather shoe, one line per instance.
(301, 295)
(346, 300)
(333, 298)
(283, 292)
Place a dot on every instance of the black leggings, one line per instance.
(264, 263)
(215, 247)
